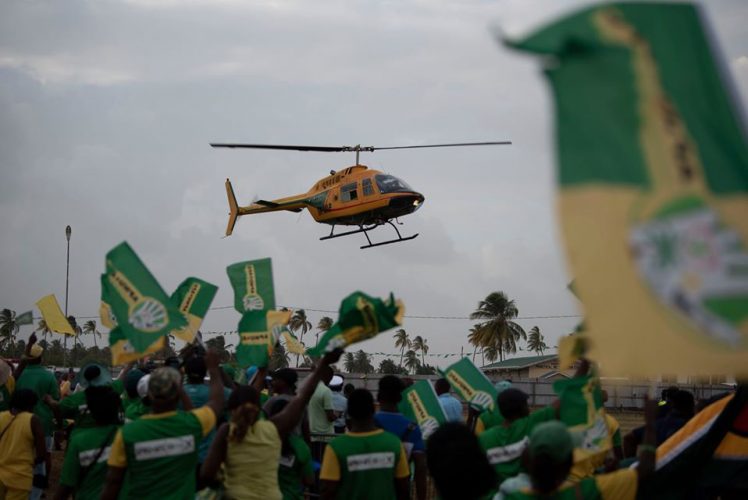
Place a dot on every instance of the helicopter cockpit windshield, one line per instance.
(391, 184)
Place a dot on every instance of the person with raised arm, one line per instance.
(250, 448)
(157, 450)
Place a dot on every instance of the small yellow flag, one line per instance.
(53, 316)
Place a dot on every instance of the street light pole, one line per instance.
(68, 232)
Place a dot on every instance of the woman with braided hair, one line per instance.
(250, 448)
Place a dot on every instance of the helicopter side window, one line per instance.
(348, 192)
(367, 187)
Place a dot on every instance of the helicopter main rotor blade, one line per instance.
(282, 147)
(497, 143)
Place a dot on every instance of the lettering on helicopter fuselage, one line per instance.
(333, 179)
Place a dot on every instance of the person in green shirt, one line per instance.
(295, 470)
(84, 469)
(32, 375)
(505, 443)
(130, 395)
(367, 462)
(75, 406)
(158, 452)
(550, 456)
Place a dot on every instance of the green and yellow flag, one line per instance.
(582, 411)
(53, 316)
(193, 297)
(259, 331)
(471, 384)
(122, 350)
(252, 282)
(292, 343)
(360, 317)
(143, 311)
(654, 187)
(26, 318)
(420, 403)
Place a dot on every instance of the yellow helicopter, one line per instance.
(354, 196)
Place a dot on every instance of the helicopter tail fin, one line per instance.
(233, 208)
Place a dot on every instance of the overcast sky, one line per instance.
(107, 108)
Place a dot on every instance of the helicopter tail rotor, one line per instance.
(233, 208)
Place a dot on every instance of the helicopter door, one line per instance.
(367, 188)
(349, 192)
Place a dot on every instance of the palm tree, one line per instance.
(498, 328)
(349, 362)
(325, 323)
(536, 341)
(44, 328)
(419, 344)
(298, 322)
(474, 336)
(411, 361)
(89, 327)
(363, 362)
(402, 341)
(491, 352)
(8, 328)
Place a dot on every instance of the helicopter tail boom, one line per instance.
(290, 204)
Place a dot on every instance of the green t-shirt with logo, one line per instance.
(83, 448)
(504, 445)
(74, 407)
(160, 452)
(42, 382)
(294, 467)
(365, 465)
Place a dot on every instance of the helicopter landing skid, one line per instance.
(365, 230)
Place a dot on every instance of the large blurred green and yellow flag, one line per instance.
(143, 311)
(193, 297)
(360, 317)
(420, 403)
(471, 384)
(653, 174)
(259, 332)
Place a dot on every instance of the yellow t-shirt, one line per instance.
(251, 467)
(16, 450)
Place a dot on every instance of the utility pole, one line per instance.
(68, 232)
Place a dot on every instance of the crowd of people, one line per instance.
(192, 428)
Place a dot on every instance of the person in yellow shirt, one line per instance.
(22, 446)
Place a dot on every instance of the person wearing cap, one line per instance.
(143, 405)
(158, 452)
(390, 419)
(505, 443)
(44, 384)
(283, 385)
(75, 406)
(450, 404)
(550, 455)
(22, 446)
(7, 385)
(84, 469)
(339, 404)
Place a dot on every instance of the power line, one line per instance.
(409, 316)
